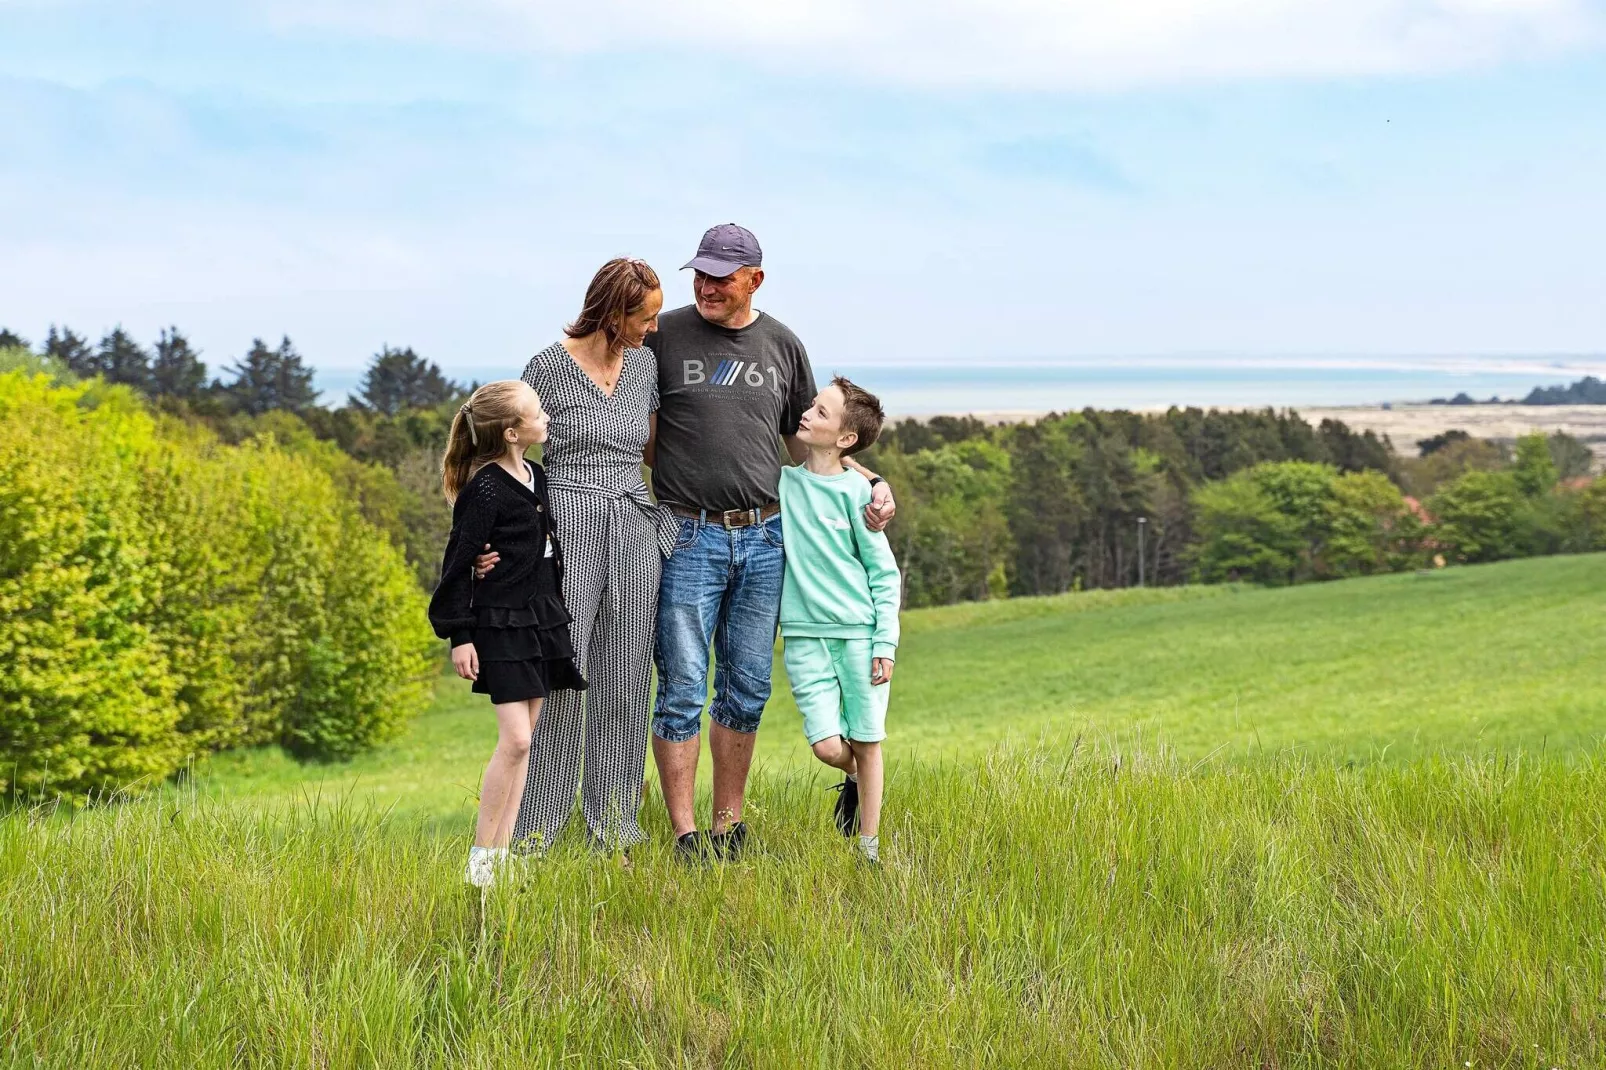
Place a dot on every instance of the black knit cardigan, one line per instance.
(496, 508)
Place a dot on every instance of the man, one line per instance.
(731, 380)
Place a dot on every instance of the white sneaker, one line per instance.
(481, 869)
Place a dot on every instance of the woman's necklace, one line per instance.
(601, 372)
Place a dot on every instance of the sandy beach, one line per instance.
(1407, 423)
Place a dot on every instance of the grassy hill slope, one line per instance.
(1475, 659)
(1042, 905)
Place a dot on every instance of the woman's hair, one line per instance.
(617, 289)
(476, 436)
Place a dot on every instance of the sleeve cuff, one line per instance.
(884, 650)
(461, 636)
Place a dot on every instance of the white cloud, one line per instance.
(1001, 43)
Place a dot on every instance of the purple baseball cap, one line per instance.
(724, 249)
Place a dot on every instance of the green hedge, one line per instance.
(163, 595)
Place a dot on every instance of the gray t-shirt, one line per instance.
(724, 397)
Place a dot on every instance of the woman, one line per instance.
(600, 389)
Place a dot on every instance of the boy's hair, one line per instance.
(476, 436)
(861, 413)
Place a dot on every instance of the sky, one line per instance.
(946, 182)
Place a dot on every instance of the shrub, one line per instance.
(87, 692)
(162, 594)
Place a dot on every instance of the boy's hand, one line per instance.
(485, 562)
(880, 671)
(466, 660)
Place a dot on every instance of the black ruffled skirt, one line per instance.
(524, 653)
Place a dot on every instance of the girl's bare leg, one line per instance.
(515, 795)
(504, 776)
(870, 777)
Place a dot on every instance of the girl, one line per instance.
(510, 630)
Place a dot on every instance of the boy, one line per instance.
(839, 604)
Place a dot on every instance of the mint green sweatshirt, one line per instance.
(841, 579)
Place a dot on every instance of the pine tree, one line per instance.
(72, 350)
(122, 360)
(177, 370)
(10, 339)
(268, 379)
(399, 379)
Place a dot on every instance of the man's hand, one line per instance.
(880, 671)
(879, 513)
(485, 562)
(466, 660)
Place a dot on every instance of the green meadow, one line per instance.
(1356, 824)
(1482, 660)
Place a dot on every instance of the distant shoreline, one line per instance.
(1405, 423)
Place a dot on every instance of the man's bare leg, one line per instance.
(733, 757)
(677, 774)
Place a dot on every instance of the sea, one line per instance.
(1005, 388)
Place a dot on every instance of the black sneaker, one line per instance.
(694, 848)
(729, 845)
(847, 807)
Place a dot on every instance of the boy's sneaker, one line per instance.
(729, 845)
(693, 848)
(847, 807)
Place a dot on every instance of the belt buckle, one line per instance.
(745, 515)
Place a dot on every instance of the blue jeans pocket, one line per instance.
(687, 533)
(773, 535)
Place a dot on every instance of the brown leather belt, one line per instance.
(730, 518)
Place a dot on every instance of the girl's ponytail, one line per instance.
(457, 467)
(476, 435)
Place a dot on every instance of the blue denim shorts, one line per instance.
(721, 587)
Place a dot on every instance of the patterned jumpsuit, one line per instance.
(610, 535)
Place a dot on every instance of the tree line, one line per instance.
(1108, 499)
(1587, 391)
(1090, 499)
(382, 445)
(266, 379)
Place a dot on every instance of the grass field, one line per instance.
(1350, 825)
(1464, 660)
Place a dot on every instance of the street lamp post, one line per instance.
(1143, 523)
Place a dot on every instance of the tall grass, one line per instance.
(1037, 908)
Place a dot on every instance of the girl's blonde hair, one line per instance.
(476, 436)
